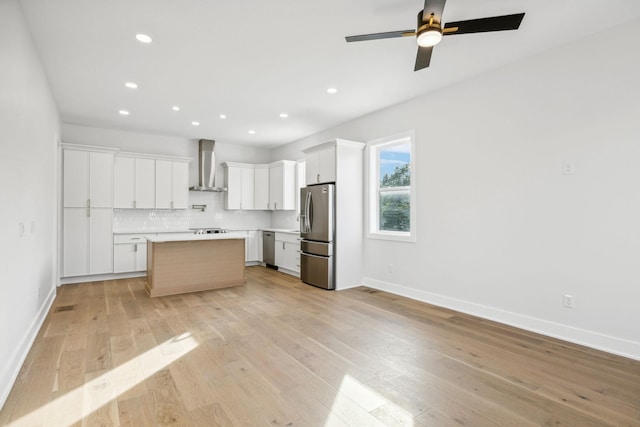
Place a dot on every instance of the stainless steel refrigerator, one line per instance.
(317, 230)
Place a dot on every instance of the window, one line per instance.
(392, 188)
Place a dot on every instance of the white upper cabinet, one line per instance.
(134, 183)
(180, 185)
(321, 164)
(282, 185)
(172, 184)
(87, 178)
(261, 187)
(248, 188)
(240, 179)
(145, 183)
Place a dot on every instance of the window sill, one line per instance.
(397, 237)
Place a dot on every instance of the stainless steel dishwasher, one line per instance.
(269, 248)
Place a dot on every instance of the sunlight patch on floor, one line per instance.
(96, 394)
(357, 404)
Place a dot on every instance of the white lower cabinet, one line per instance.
(287, 251)
(252, 245)
(87, 241)
(129, 253)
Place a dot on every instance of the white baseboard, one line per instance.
(10, 373)
(99, 277)
(596, 340)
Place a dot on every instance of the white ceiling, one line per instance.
(254, 59)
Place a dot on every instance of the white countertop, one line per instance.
(281, 230)
(151, 231)
(189, 237)
(230, 230)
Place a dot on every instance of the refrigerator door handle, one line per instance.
(307, 225)
(310, 212)
(314, 256)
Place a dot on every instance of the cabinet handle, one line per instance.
(318, 178)
(134, 204)
(275, 206)
(88, 212)
(283, 246)
(89, 203)
(135, 248)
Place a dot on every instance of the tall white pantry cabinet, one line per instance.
(87, 195)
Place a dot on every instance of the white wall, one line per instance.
(501, 232)
(214, 216)
(29, 133)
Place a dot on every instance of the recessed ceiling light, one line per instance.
(131, 85)
(123, 112)
(143, 38)
(223, 116)
(284, 115)
(175, 108)
(252, 132)
(332, 90)
(195, 123)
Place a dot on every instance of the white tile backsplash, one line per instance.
(158, 220)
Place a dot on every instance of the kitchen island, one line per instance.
(180, 263)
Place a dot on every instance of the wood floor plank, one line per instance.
(278, 352)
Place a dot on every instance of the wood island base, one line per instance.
(176, 267)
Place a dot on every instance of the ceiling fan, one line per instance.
(430, 30)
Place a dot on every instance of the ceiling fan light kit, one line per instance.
(430, 31)
(430, 37)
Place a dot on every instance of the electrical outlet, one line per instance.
(568, 301)
(567, 168)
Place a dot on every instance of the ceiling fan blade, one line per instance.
(433, 6)
(376, 36)
(423, 58)
(484, 25)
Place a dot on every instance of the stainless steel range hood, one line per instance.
(207, 167)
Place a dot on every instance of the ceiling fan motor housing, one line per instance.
(429, 32)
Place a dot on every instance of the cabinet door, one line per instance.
(275, 187)
(164, 178)
(248, 177)
(261, 188)
(288, 186)
(141, 256)
(280, 254)
(234, 187)
(312, 171)
(180, 185)
(145, 183)
(123, 182)
(327, 164)
(292, 256)
(252, 245)
(75, 242)
(101, 180)
(75, 179)
(259, 248)
(100, 241)
(124, 260)
(321, 166)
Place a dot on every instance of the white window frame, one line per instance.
(373, 190)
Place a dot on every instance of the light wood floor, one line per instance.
(280, 353)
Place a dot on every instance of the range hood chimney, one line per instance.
(207, 167)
